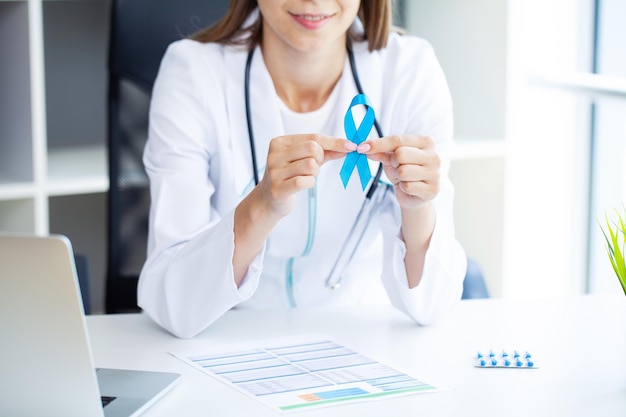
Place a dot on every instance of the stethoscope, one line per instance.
(373, 197)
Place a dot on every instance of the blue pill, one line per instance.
(482, 362)
(494, 362)
(530, 363)
(507, 362)
(518, 363)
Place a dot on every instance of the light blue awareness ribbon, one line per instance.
(357, 136)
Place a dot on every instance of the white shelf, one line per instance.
(53, 96)
(77, 170)
(53, 160)
(16, 191)
(594, 85)
(470, 148)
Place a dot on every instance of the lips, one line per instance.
(312, 21)
(312, 17)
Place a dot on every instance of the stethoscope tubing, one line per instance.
(246, 88)
(369, 204)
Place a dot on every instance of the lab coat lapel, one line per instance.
(265, 116)
(266, 120)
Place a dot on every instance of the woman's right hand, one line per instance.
(293, 164)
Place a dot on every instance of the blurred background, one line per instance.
(540, 111)
(539, 89)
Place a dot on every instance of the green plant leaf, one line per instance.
(615, 239)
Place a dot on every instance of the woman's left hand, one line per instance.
(411, 164)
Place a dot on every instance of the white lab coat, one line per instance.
(199, 164)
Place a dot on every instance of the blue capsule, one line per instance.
(504, 359)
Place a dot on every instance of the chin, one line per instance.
(316, 45)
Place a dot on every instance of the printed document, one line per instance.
(303, 373)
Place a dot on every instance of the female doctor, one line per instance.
(246, 145)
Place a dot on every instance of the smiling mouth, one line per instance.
(312, 17)
(312, 21)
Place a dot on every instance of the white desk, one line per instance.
(579, 343)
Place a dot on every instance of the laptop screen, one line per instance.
(46, 363)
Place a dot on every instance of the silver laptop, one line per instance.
(46, 365)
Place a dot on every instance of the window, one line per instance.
(549, 78)
(566, 111)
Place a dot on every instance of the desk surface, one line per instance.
(579, 343)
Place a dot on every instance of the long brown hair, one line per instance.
(375, 15)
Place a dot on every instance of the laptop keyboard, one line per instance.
(106, 400)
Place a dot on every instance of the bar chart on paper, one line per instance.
(300, 373)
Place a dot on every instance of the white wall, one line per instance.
(547, 134)
(469, 38)
(479, 211)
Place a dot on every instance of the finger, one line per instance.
(285, 152)
(416, 173)
(299, 183)
(414, 156)
(332, 155)
(288, 180)
(286, 188)
(306, 167)
(329, 143)
(391, 143)
(314, 149)
(286, 149)
(402, 155)
(302, 167)
(305, 150)
(423, 190)
(406, 155)
(384, 158)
